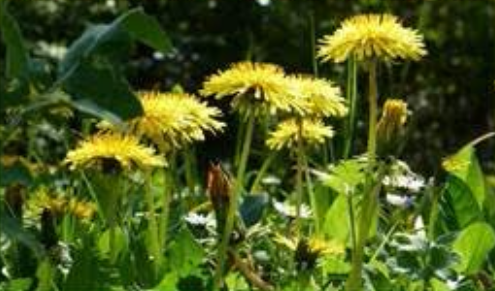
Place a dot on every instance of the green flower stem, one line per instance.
(155, 245)
(238, 186)
(373, 113)
(190, 168)
(373, 186)
(351, 96)
(261, 173)
(299, 175)
(164, 218)
(352, 219)
(369, 210)
(312, 195)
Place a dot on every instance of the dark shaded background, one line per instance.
(450, 92)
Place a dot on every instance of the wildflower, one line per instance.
(307, 251)
(372, 36)
(391, 124)
(59, 205)
(287, 133)
(290, 210)
(256, 88)
(171, 120)
(320, 97)
(124, 150)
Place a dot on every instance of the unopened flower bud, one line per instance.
(391, 126)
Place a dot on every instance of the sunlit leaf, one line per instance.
(473, 245)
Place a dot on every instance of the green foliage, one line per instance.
(92, 59)
(473, 245)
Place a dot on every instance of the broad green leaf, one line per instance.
(17, 59)
(146, 29)
(465, 166)
(337, 220)
(461, 201)
(252, 208)
(473, 245)
(102, 90)
(90, 71)
(185, 253)
(344, 177)
(106, 39)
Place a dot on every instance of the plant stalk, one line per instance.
(238, 186)
(155, 245)
(373, 186)
(351, 96)
(299, 175)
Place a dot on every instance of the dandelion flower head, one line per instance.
(123, 149)
(320, 97)
(286, 135)
(372, 35)
(171, 120)
(256, 88)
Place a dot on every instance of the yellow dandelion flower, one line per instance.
(320, 97)
(287, 133)
(256, 88)
(123, 149)
(81, 209)
(171, 120)
(59, 205)
(307, 251)
(372, 35)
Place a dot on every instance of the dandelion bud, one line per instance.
(219, 188)
(391, 125)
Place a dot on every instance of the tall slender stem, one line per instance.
(373, 113)
(351, 96)
(238, 186)
(264, 167)
(372, 189)
(299, 174)
(155, 245)
(167, 195)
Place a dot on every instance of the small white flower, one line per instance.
(271, 180)
(194, 218)
(290, 210)
(399, 200)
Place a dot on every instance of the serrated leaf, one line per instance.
(344, 177)
(89, 272)
(473, 245)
